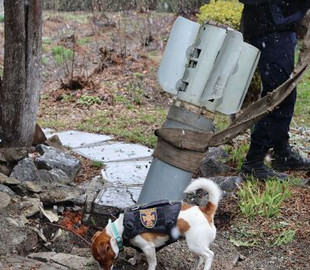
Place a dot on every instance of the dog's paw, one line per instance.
(132, 261)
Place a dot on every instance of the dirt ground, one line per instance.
(116, 51)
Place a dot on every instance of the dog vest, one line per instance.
(155, 217)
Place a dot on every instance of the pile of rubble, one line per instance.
(37, 188)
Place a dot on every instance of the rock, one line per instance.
(5, 168)
(212, 167)
(31, 186)
(60, 194)
(227, 183)
(7, 190)
(18, 262)
(13, 154)
(25, 170)
(4, 200)
(216, 153)
(19, 239)
(39, 136)
(8, 180)
(73, 262)
(12, 222)
(81, 200)
(55, 142)
(21, 221)
(29, 206)
(53, 158)
(231, 184)
(54, 176)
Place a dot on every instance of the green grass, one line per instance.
(52, 123)
(83, 41)
(62, 54)
(97, 164)
(302, 108)
(88, 100)
(236, 155)
(284, 238)
(46, 40)
(276, 233)
(254, 200)
(135, 125)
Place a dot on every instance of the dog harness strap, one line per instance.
(117, 237)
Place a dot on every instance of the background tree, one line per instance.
(21, 84)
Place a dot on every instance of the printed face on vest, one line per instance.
(148, 217)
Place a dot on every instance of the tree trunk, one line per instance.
(19, 96)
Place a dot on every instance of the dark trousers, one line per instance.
(275, 66)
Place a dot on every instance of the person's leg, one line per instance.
(275, 66)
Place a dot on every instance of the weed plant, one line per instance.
(62, 55)
(254, 201)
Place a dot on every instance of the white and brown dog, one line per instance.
(194, 223)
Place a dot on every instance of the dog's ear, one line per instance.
(103, 249)
(95, 236)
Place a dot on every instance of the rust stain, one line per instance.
(209, 211)
(183, 225)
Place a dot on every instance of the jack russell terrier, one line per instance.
(194, 223)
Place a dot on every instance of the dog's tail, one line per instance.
(208, 185)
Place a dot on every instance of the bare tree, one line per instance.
(19, 90)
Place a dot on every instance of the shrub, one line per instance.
(224, 12)
(62, 55)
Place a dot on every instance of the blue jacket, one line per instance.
(261, 17)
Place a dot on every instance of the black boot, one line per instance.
(285, 158)
(254, 165)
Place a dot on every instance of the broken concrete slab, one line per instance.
(53, 158)
(127, 173)
(48, 132)
(5, 200)
(115, 151)
(116, 198)
(8, 180)
(25, 170)
(78, 139)
(92, 189)
(73, 262)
